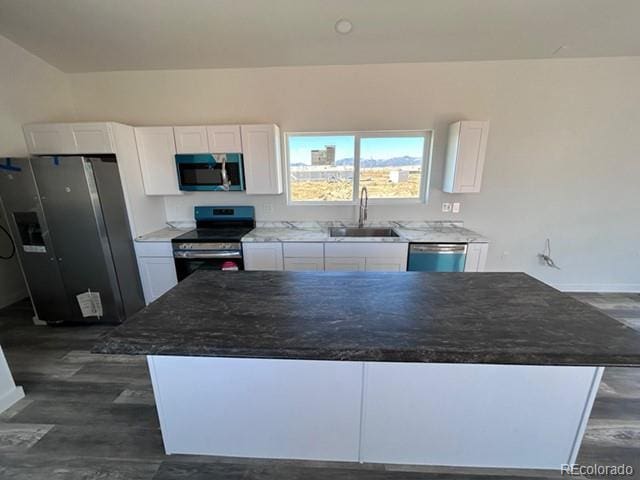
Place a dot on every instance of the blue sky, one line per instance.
(378, 148)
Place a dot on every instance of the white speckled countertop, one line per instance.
(408, 231)
(163, 235)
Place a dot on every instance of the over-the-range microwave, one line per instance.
(210, 172)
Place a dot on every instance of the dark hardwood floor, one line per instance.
(91, 416)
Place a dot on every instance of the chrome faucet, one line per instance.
(364, 203)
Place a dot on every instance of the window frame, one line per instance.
(427, 153)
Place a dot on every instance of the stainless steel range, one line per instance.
(215, 244)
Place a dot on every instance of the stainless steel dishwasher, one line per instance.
(437, 257)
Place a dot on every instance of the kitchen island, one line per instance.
(483, 370)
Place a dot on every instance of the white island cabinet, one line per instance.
(9, 392)
(494, 416)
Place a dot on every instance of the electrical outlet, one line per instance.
(456, 207)
(446, 207)
(267, 208)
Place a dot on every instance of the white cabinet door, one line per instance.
(247, 407)
(304, 264)
(262, 256)
(93, 138)
(224, 139)
(157, 149)
(374, 264)
(262, 166)
(509, 416)
(303, 249)
(476, 257)
(466, 150)
(50, 138)
(344, 264)
(191, 139)
(158, 275)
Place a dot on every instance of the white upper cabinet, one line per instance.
(466, 150)
(157, 149)
(224, 139)
(93, 138)
(69, 138)
(191, 139)
(208, 139)
(262, 165)
(49, 138)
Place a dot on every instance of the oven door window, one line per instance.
(200, 174)
(186, 266)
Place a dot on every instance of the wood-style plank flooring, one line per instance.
(91, 416)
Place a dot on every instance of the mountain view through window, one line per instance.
(332, 168)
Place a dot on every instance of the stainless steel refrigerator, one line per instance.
(69, 222)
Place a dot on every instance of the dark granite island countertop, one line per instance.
(498, 318)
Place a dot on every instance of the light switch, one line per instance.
(446, 207)
(456, 207)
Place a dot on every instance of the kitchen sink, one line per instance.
(362, 232)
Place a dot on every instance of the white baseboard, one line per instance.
(11, 397)
(599, 287)
(9, 298)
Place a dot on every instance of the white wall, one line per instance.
(30, 91)
(562, 158)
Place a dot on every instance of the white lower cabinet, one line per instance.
(157, 269)
(368, 257)
(262, 256)
(304, 264)
(303, 256)
(476, 257)
(344, 264)
(330, 257)
(158, 276)
(373, 264)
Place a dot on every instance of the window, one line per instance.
(331, 168)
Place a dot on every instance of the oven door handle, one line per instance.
(221, 254)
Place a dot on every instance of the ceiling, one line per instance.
(102, 35)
